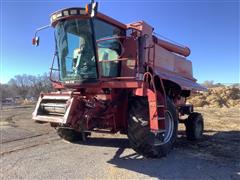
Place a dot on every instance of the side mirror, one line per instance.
(35, 41)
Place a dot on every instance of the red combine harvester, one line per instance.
(115, 77)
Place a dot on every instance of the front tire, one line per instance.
(142, 140)
(71, 135)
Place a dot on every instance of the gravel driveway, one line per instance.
(34, 151)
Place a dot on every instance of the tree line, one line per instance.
(24, 86)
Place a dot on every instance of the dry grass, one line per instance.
(217, 97)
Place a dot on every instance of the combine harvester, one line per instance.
(115, 77)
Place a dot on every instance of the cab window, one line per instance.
(109, 47)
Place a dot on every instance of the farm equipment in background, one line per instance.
(115, 77)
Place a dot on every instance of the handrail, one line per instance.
(118, 77)
(114, 37)
(51, 69)
(120, 59)
(154, 87)
(110, 38)
(164, 92)
(146, 74)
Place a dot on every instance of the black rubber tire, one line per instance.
(140, 137)
(71, 135)
(194, 126)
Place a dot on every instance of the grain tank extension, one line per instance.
(112, 77)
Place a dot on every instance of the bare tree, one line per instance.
(40, 84)
(6, 91)
(29, 85)
(21, 84)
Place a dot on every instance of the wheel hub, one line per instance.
(165, 136)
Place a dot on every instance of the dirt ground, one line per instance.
(34, 151)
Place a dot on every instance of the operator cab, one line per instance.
(84, 44)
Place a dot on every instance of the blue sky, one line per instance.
(209, 28)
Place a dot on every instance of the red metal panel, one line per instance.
(110, 83)
(153, 114)
(184, 83)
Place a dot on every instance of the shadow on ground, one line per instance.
(187, 159)
(221, 145)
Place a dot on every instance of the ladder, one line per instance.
(161, 105)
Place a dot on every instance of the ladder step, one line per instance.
(161, 118)
(160, 131)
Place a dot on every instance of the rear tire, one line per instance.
(142, 140)
(194, 126)
(71, 135)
